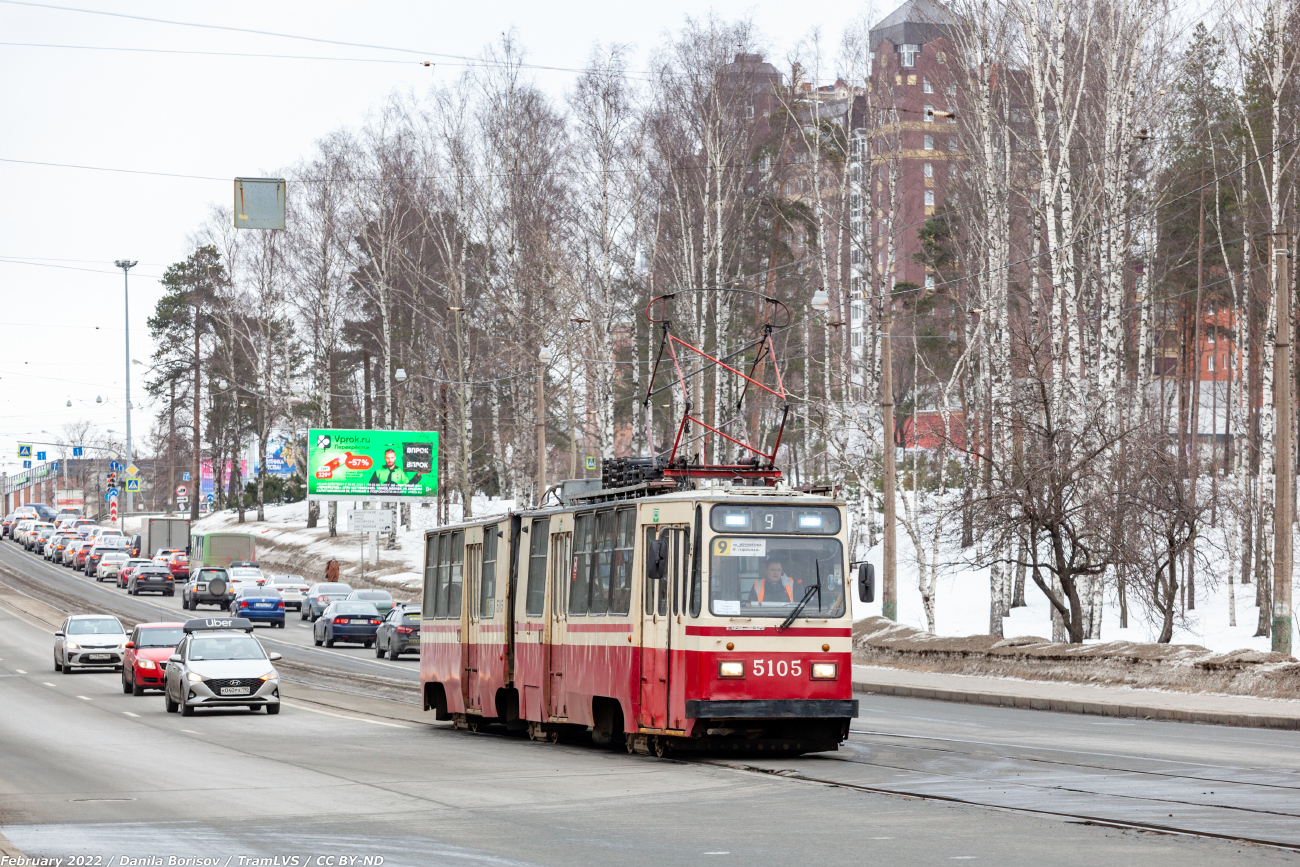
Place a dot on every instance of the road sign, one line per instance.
(132, 485)
(133, 470)
(40, 456)
(27, 465)
(24, 451)
(77, 451)
(591, 462)
(182, 492)
(56, 466)
(185, 477)
(114, 465)
(371, 521)
(210, 498)
(112, 492)
(112, 509)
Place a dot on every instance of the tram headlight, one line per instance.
(731, 669)
(825, 670)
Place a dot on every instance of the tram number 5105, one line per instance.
(777, 668)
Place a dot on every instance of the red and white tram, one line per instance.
(715, 618)
(681, 606)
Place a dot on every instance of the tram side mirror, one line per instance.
(656, 553)
(866, 582)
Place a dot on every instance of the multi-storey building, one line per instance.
(906, 148)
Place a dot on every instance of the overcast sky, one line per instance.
(218, 117)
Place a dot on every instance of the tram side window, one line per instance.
(456, 574)
(488, 583)
(620, 591)
(430, 576)
(444, 555)
(651, 587)
(603, 561)
(535, 601)
(696, 579)
(579, 580)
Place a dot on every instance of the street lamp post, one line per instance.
(126, 265)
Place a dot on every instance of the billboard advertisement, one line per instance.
(371, 464)
(281, 456)
(208, 475)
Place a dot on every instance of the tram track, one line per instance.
(1251, 805)
(1077, 817)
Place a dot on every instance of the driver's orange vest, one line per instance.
(762, 586)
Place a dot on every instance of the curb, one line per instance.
(9, 850)
(1093, 708)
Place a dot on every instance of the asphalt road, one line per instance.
(86, 770)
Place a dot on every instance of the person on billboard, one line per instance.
(391, 474)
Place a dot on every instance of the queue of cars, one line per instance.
(206, 662)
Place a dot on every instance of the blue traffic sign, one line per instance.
(27, 465)
(114, 465)
(55, 465)
(185, 477)
(112, 492)
(24, 451)
(40, 456)
(210, 498)
(77, 451)
(133, 484)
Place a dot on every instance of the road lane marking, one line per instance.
(344, 716)
(20, 671)
(128, 713)
(191, 731)
(47, 683)
(84, 697)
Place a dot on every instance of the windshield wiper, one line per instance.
(785, 624)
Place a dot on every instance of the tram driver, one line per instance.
(775, 585)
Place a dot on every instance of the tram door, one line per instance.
(470, 627)
(556, 617)
(656, 642)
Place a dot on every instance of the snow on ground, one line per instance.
(286, 534)
(962, 604)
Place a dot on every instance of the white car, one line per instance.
(292, 589)
(21, 528)
(244, 576)
(218, 664)
(89, 641)
(110, 564)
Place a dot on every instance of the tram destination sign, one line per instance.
(371, 464)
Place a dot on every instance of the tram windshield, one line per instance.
(769, 576)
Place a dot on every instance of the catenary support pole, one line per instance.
(1284, 477)
(126, 265)
(889, 583)
(543, 358)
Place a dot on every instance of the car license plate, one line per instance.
(235, 690)
(360, 619)
(96, 656)
(262, 605)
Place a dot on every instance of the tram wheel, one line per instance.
(661, 747)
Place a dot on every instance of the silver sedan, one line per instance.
(89, 641)
(219, 664)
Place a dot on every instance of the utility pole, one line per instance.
(889, 584)
(545, 358)
(1284, 475)
(195, 479)
(126, 265)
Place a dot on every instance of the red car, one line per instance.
(82, 553)
(147, 651)
(179, 564)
